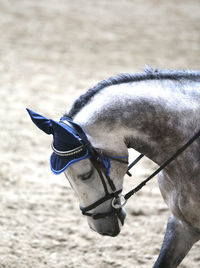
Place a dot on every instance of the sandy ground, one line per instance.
(50, 52)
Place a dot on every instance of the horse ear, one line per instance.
(64, 137)
(41, 122)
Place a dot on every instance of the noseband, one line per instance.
(118, 200)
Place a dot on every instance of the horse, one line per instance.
(154, 112)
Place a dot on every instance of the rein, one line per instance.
(165, 163)
(118, 200)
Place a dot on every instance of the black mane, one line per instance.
(148, 74)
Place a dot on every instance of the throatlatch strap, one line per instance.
(133, 164)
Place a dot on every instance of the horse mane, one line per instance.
(148, 74)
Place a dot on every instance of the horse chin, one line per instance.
(110, 225)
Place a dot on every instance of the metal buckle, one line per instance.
(122, 201)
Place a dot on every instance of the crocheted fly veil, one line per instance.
(67, 145)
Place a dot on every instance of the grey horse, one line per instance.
(155, 113)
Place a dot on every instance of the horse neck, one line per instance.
(146, 116)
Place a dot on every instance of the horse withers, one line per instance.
(155, 113)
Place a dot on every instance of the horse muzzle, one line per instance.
(110, 225)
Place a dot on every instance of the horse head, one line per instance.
(95, 176)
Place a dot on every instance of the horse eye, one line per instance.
(86, 176)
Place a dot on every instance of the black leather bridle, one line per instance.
(115, 195)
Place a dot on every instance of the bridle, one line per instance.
(96, 157)
(115, 194)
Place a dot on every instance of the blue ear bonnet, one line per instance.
(67, 144)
